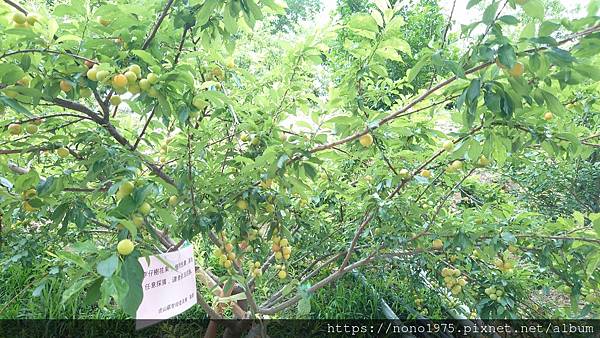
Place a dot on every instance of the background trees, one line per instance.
(193, 121)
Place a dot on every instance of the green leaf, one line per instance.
(547, 28)
(363, 25)
(229, 20)
(456, 68)
(588, 70)
(129, 226)
(553, 103)
(14, 104)
(508, 237)
(205, 12)
(474, 150)
(282, 161)
(49, 186)
(287, 289)
(309, 170)
(304, 307)
(27, 181)
(121, 287)
(133, 273)
(108, 266)
(38, 290)
(592, 264)
(166, 216)
(254, 9)
(145, 56)
(93, 292)
(472, 3)
(75, 289)
(10, 73)
(36, 202)
(507, 55)
(125, 207)
(596, 225)
(520, 86)
(68, 37)
(473, 90)
(414, 71)
(490, 13)
(394, 28)
(534, 8)
(276, 7)
(389, 53)
(509, 20)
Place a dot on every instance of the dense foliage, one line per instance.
(459, 173)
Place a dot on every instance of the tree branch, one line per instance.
(157, 24)
(49, 117)
(16, 6)
(27, 150)
(137, 141)
(404, 111)
(115, 134)
(47, 51)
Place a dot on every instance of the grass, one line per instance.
(347, 298)
(18, 302)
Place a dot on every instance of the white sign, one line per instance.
(167, 291)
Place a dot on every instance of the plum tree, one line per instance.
(154, 134)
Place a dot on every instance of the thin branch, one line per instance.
(51, 130)
(431, 184)
(115, 134)
(27, 150)
(157, 24)
(190, 172)
(447, 196)
(49, 117)
(590, 137)
(322, 283)
(46, 51)
(212, 314)
(137, 142)
(557, 238)
(16, 6)
(371, 213)
(103, 105)
(434, 76)
(249, 297)
(488, 28)
(404, 111)
(440, 205)
(180, 49)
(448, 25)
(564, 238)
